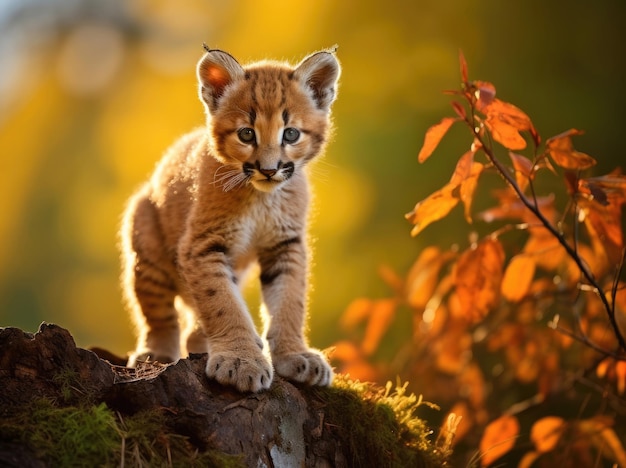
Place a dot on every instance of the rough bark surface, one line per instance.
(283, 427)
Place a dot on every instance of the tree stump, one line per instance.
(287, 426)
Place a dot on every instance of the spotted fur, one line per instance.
(226, 195)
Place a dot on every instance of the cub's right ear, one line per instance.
(215, 71)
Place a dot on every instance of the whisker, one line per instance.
(230, 171)
(234, 181)
(225, 176)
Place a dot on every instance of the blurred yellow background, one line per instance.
(93, 91)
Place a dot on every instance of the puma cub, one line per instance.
(222, 197)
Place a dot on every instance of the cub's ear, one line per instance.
(215, 71)
(320, 72)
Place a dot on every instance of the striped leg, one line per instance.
(149, 285)
(235, 349)
(283, 281)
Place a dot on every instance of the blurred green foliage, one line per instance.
(92, 93)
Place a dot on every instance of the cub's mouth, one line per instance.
(267, 179)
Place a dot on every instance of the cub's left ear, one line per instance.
(320, 72)
(216, 71)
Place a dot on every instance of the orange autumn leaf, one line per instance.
(505, 121)
(562, 151)
(463, 66)
(468, 187)
(599, 432)
(352, 362)
(345, 351)
(506, 135)
(523, 169)
(499, 437)
(459, 110)
(546, 432)
(358, 310)
(546, 250)
(604, 223)
(511, 207)
(381, 316)
(451, 350)
(614, 184)
(518, 277)
(423, 276)
(473, 383)
(485, 94)
(391, 278)
(433, 136)
(620, 376)
(508, 114)
(528, 460)
(462, 170)
(478, 276)
(432, 208)
(441, 202)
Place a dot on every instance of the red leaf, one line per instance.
(433, 136)
(463, 65)
(459, 109)
(536, 136)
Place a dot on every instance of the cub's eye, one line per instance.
(291, 135)
(246, 135)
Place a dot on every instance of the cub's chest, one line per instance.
(257, 230)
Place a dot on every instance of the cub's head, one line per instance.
(268, 119)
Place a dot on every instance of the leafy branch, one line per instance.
(483, 342)
(490, 119)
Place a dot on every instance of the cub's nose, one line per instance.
(269, 173)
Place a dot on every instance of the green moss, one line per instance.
(95, 436)
(379, 426)
(67, 436)
(69, 384)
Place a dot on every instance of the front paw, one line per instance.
(247, 371)
(309, 367)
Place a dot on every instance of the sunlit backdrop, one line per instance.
(92, 92)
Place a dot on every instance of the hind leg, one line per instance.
(149, 284)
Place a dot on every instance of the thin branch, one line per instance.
(618, 274)
(587, 342)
